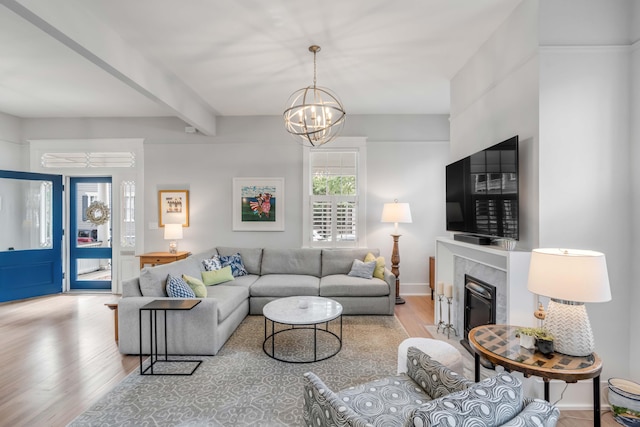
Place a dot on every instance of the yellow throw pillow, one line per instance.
(379, 270)
(217, 276)
(197, 285)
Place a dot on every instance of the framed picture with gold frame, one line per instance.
(173, 207)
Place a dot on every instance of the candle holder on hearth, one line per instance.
(441, 323)
(448, 327)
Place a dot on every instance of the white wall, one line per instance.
(494, 97)
(407, 155)
(634, 300)
(585, 175)
(14, 153)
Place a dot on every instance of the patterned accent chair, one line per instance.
(429, 394)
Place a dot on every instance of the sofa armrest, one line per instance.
(545, 414)
(193, 331)
(434, 377)
(323, 408)
(390, 278)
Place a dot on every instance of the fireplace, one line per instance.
(479, 306)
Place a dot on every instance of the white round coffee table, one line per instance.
(302, 313)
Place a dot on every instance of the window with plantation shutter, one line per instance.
(334, 214)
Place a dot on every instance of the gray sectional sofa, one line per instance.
(273, 273)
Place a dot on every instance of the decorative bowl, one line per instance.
(624, 398)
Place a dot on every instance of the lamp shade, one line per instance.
(396, 212)
(172, 231)
(569, 275)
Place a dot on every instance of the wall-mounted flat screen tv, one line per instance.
(482, 192)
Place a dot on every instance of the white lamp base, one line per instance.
(173, 247)
(570, 327)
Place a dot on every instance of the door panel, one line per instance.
(89, 238)
(30, 235)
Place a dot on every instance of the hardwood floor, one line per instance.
(59, 355)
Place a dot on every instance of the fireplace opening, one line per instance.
(479, 306)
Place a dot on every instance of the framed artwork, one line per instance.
(173, 207)
(258, 204)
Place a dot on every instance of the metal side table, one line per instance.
(153, 307)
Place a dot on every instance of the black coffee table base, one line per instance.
(270, 339)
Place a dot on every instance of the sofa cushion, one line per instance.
(229, 298)
(386, 402)
(212, 264)
(196, 284)
(285, 285)
(341, 285)
(362, 269)
(251, 257)
(380, 264)
(153, 280)
(201, 256)
(491, 402)
(215, 277)
(292, 261)
(338, 261)
(178, 288)
(235, 262)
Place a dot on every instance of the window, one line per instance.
(128, 223)
(334, 216)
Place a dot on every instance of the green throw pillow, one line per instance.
(379, 270)
(197, 285)
(217, 276)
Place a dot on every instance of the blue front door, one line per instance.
(90, 233)
(30, 235)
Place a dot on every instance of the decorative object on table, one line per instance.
(98, 213)
(624, 398)
(396, 212)
(570, 277)
(314, 114)
(173, 232)
(530, 338)
(173, 207)
(258, 204)
(508, 244)
(448, 327)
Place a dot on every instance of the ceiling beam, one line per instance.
(72, 26)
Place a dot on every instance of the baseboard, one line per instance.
(415, 289)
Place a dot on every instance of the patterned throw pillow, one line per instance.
(491, 402)
(362, 269)
(178, 288)
(235, 262)
(378, 273)
(212, 264)
(196, 284)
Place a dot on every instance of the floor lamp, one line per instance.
(396, 212)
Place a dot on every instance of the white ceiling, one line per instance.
(196, 59)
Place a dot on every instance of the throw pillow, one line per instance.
(491, 402)
(213, 263)
(378, 272)
(178, 288)
(235, 262)
(197, 285)
(217, 276)
(362, 269)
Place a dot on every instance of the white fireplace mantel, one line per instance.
(520, 303)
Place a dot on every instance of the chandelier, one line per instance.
(314, 114)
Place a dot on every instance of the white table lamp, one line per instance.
(570, 277)
(173, 232)
(396, 212)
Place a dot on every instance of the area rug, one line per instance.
(241, 386)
